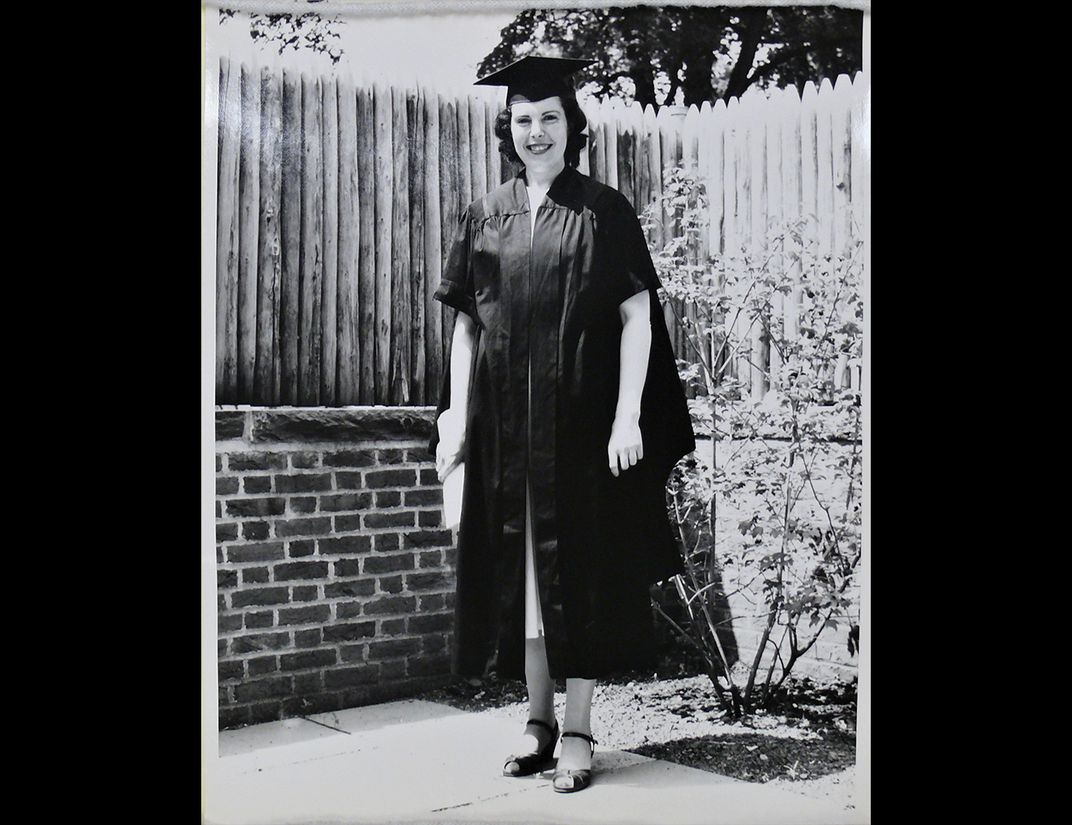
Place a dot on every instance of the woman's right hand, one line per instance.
(451, 426)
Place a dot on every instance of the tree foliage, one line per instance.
(294, 32)
(649, 53)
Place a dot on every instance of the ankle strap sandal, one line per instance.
(530, 763)
(578, 778)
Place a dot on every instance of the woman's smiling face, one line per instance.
(540, 132)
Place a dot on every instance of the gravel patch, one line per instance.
(806, 744)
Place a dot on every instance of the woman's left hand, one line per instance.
(626, 445)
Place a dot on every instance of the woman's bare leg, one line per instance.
(576, 753)
(541, 688)
(538, 679)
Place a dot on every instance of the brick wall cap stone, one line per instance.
(340, 424)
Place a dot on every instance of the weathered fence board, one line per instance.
(464, 192)
(858, 135)
(415, 276)
(338, 202)
(824, 176)
(290, 213)
(757, 219)
(329, 300)
(248, 220)
(690, 140)
(809, 163)
(772, 199)
(312, 241)
(717, 229)
(266, 383)
(791, 209)
(857, 191)
(731, 196)
(710, 161)
(626, 139)
(716, 206)
(349, 267)
(808, 169)
(824, 172)
(610, 143)
(597, 154)
(400, 309)
(636, 162)
(366, 193)
(669, 149)
(494, 156)
(841, 159)
(449, 161)
(690, 161)
(651, 172)
(385, 181)
(433, 243)
(478, 147)
(584, 166)
(227, 233)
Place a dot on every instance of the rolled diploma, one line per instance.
(450, 426)
(453, 485)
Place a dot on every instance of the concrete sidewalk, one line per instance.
(415, 761)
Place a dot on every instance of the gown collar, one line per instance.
(565, 189)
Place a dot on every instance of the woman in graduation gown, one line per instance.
(563, 401)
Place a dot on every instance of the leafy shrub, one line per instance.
(774, 340)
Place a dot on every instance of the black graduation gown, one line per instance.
(600, 541)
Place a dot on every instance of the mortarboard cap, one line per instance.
(536, 77)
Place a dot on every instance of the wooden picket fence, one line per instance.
(336, 202)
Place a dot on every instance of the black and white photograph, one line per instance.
(535, 412)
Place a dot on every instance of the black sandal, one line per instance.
(530, 763)
(581, 777)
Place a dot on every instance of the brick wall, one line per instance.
(335, 576)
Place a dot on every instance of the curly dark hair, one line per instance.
(576, 123)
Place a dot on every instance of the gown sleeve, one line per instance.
(456, 287)
(665, 420)
(629, 267)
(455, 290)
